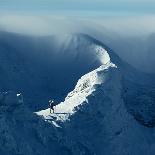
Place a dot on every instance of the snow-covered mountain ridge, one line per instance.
(84, 87)
(98, 117)
(28, 62)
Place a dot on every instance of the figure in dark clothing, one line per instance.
(51, 105)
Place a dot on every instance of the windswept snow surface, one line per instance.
(109, 112)
(85, 87)
(95, 117)
(49, 66)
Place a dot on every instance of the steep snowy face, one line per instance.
(96, 120)
(84, 88)
(86, 84)
(35, 136)
(97, 117)
(46, 67)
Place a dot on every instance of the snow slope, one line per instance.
(98, 117)
(48, 65)
(85, 87)
(23, 133)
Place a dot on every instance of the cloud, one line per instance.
(53, 24)
(35, 25)
(127, 35)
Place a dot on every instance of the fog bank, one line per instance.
(131, 37)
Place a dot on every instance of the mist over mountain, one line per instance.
(130, 37)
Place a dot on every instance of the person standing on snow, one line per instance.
(51, 105)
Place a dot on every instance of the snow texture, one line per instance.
(85, 86)
(109, 112)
